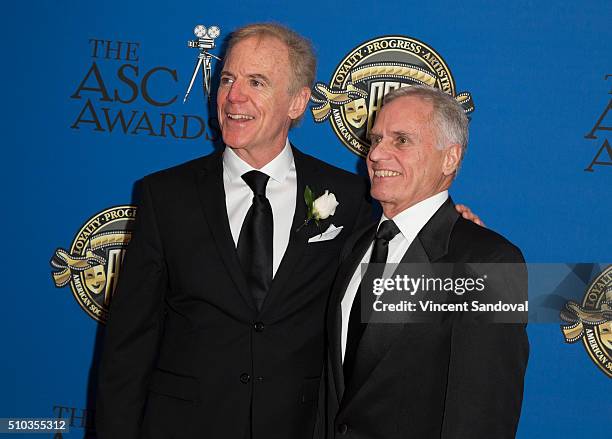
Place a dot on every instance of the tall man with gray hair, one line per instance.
(216, 327)
(420, 380)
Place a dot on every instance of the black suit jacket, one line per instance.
(186, 352)
(450, 379)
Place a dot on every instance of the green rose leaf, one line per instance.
(309, 198)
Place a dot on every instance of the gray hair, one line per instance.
(449, 120)
(302, 60)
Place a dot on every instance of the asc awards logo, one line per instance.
(591, 321)
(92, 264)
(362, 79)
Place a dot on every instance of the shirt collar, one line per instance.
(277, 169)
(411, 221)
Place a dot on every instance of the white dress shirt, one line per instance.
(410, 222)
(280, 191)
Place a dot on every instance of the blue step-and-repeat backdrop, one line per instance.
(93, 100)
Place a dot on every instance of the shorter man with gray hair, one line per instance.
(420, 380)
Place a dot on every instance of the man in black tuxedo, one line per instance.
(216, 327)
(449, 379)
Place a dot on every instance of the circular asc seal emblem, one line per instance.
(92, 264)
(362, 79)
(591, 321)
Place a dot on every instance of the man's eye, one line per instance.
(256, 83)
(374, 140)
(226, 80)
(402, 140)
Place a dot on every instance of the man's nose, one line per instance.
(378, 152)
(236, 93)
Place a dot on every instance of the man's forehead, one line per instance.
(405, 110)
(257, 56)
(413, 103)
(259, 43)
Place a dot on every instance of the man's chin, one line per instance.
(383, 185)
(234, 142)
(378, 193)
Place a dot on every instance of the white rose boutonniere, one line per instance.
(324, 206)
(320, 208)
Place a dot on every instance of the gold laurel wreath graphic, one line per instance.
(327, 98)
(109, 239)
(393, 70)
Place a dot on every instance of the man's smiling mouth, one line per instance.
(386, 173)
(234, 116)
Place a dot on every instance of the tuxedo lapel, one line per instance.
(430, 245)
(343, 278)
(378, 338)
(435, 235)
(306, 174)
(212, 197)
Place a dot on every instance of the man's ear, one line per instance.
(452, 158)
(299, 101)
